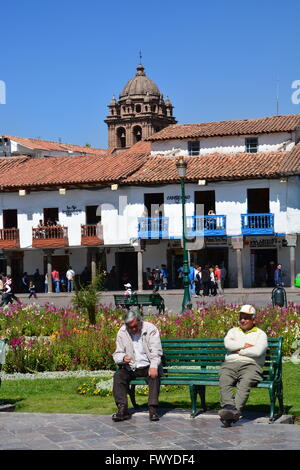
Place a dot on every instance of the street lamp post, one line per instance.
(186, 301)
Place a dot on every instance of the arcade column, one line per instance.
(237, 245)
(292, 243)
(48, 254)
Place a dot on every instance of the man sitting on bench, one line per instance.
(138, 352)
(243, 366)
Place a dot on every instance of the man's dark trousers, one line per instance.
(121, 383)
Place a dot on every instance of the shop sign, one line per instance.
(71, 210)
(216, 241)
(177, 198)
(263, 243)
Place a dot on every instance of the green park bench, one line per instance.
(3, 343)
(195, 363)
(140, 300)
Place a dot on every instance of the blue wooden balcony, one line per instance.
(153, 227)
(257, 224)
(206, 225)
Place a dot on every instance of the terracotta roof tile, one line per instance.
(284, 123)
(214, 167)
(9, 163)
(45, 145)
(53, 171)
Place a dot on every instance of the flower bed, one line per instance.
(57, 339)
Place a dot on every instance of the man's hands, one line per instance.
(153, 372)
(246, 345)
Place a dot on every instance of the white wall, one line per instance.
(231, 144)
(121, 209)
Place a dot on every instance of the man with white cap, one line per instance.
(243, 366)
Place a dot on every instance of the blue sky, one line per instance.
(62, 60)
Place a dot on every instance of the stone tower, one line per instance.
(140, 112)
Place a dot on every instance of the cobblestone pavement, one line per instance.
(174, 431)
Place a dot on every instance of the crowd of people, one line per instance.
(205, 281)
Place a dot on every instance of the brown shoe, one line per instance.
(153, 416)
(122, 414)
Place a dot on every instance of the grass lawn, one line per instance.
(60, 396)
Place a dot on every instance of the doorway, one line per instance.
(91, 217)
(51, 214)
(126, 264)
(258, 201)
(206, 200)
(10, 218)
(263, 265)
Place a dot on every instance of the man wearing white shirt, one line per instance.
(243, 367)
(138, 353)
(70, 275)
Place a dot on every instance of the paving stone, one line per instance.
(61, 431)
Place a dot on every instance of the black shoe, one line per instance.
(153, 416)
(122, 414)
(229, 413)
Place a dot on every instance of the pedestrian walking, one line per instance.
(55, 277)
(218, 280)
(70, 275)
(278, 276)
(198, 281)
(156, 279)
(25, 282)
(164, 277)
(32, 290)
(8, 294)
(192, 279)
(206, 281)
(37, 280)
(149, 278)
(212, 286)
(223, 276)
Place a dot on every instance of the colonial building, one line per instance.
(140, 112)
(122, 206)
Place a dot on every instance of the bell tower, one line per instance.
(140, 112)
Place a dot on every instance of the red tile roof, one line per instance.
(216, 167)
(9, 163)
(45, 145)
(284, 123)
(54, 171)
(136, 166)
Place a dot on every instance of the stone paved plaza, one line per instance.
(175, 431)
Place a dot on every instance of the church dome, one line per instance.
(140, 85)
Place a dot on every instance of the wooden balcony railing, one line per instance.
(92, 234)
(9, 238)
(257, 224)
(53, 236)
(153, 227)
(206, 225)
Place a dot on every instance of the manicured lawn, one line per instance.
(60, 396)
